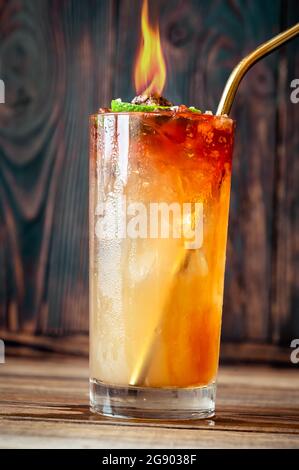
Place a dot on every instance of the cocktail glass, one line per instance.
(159, 203)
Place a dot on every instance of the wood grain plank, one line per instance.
(47, 406)
(248, 279)
(77, 436)
(285, 293)
(87, 33)
(54, 65)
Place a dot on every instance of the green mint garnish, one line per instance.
(118, 106)
(194, 110)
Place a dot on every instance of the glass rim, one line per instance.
(163, 113)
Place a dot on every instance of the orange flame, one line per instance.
(150, 68)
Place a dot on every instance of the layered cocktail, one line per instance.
(159, 201)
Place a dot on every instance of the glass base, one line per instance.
(152, 403)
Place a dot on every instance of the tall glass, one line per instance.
(159, 203)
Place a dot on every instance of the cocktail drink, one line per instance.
(160, 180)
(159, 202)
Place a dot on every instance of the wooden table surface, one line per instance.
(44, 404)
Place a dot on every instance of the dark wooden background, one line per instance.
(61, 60)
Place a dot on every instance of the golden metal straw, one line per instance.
(142, 366)
(242, 68)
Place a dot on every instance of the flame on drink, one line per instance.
(150, 67)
